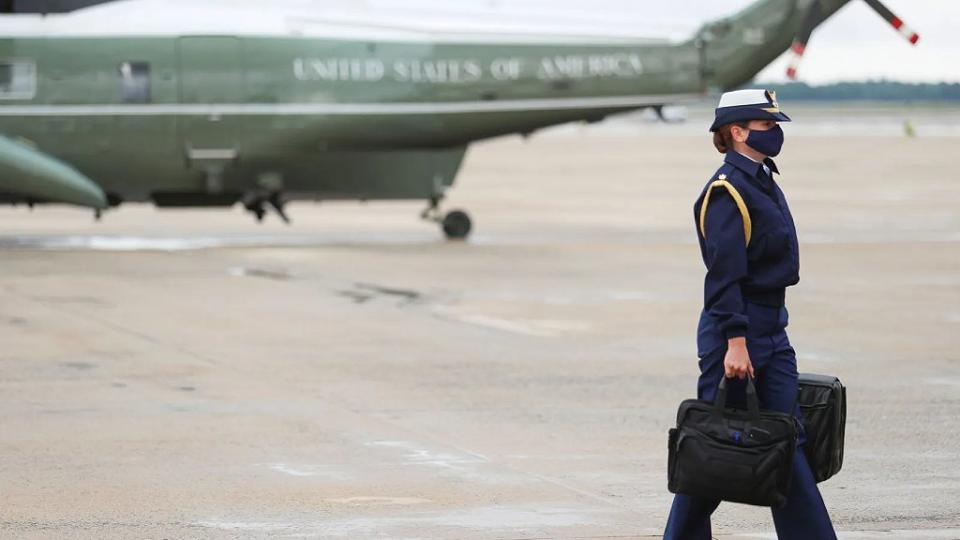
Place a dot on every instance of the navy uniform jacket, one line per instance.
(738, 273)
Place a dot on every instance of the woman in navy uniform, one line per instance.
(749, 245)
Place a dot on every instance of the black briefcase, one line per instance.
(823, 403)
(735, 455)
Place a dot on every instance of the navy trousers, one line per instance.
(775, 366)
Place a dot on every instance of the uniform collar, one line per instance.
(748, 165)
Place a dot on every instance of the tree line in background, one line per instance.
(868, 91)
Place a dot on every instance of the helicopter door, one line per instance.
(211, 88)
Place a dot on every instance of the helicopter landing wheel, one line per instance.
(456, 225)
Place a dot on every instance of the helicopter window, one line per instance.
(135, 82)
(18, 79)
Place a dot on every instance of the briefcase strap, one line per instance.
(753, 404)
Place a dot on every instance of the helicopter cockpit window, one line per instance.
(18, 79)
(135, 82)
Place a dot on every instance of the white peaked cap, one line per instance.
(749, 104)
(750, 96)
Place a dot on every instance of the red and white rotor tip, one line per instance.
(905, 30)
(796, 55)
(813, 18)
(894, 21)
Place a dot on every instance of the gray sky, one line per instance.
(855, 44)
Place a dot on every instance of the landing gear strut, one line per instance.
(255, 205)
(456, 224)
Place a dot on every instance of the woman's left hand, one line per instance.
(737, 362)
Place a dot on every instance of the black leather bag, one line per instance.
(823, 403)
(735, 455)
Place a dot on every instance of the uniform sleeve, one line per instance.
(725, 255)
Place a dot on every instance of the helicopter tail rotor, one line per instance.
(814, 17)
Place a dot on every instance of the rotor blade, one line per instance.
(894, 21)
(803, 36)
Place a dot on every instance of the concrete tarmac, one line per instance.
(190, 374)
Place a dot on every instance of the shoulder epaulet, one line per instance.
(721, 181)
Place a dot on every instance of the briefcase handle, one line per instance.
(753, 404)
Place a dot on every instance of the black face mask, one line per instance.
(767, 142)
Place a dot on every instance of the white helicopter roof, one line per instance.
(463, 21)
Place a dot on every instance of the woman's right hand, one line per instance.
(737, 361)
